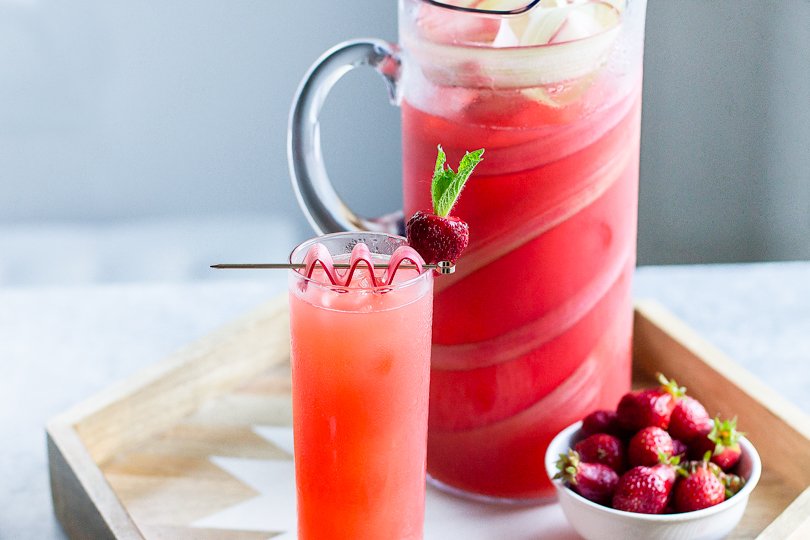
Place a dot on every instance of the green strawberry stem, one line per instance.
(447, 185)
(567, 465)
(724, 434)
(670, 386)
(668, 459)
(732, 483)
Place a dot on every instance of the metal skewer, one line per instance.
(443, 267)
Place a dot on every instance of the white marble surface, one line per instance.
(61, 344)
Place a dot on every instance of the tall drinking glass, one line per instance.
(360, 371)
(533, 331)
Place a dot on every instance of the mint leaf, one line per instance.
(447, 185)
(442, 178)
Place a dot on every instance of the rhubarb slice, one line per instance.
(463, 399)
(506, 458)
(557, 45)
(318, 256)
(400, 255)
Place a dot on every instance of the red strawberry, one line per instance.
(651, 407)
(721, 439)
(668, 469)
(647, 445)
(438, 236)
(700, 489)
(732, 482)
(603, 448)
(679, 448)
(594, 481)
(701, 443)
(601, 422)
(688, 417)
(643, 490)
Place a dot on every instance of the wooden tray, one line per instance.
(135, 462)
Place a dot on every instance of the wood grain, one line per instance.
(768, 500)
(171, 500)
(169, 532)
(200, 440)
(83, 501)
(793, 523)
(157, 398)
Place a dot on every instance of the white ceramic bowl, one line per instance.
(596, 522)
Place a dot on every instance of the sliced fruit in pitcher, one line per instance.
(552, 45)
(571, 256)
(463, 399)
(507, 458)
(569, 22)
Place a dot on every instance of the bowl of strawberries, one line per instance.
(657, 467)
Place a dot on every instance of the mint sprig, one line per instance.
(447, 185)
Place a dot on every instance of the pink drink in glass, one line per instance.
(360, 372)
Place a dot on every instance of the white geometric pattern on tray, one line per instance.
(446, 517)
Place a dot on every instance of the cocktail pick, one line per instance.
(443, 267)
(318, 255)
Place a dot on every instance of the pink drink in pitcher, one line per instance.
(533, 331)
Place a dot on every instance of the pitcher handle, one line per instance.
(323, 207)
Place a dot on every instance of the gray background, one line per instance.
(141, 140)
(146, 139)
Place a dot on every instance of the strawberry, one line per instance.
(667, 469)
(439, 236)
(644, 490)
(647, 445)
(701, 443)
(601, 421)
(603, 448)
(594, 481)
(650, 407)
(687, 419)
(721, 439)
(700, 489)
(732, 483)
(679, 448)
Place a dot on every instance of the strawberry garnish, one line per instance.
(594, 481)
(651, 407)
(439, 236)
